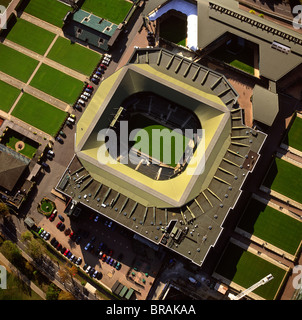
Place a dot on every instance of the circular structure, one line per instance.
(20, 145)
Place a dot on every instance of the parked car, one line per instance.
(71, 120)
(52, 217)
(103, 66)
(95, 274)
(40, 231)
(45, 165)
(78, 107)
(42, 234)
(104, 256)
(89, 86)
(59, 246)
(61, 217)
(72, 257)
(83, 97)
(87, 94)
(66, 252)
(62, 134)
(85, 266)
(87, 246)
(95, 80)
(88, 269)
(96, 218)
(111, 261)
(105, 62)
(47, 236)
(51, 152)
(98, 73)
(118, 266)
(63, 250)
(72, 116)
(59, 139)
(53, 241)
(88, 90)
(79, 261)
(82, 102)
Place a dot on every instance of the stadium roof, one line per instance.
(191, 222)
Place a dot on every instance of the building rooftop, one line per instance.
(192, 226)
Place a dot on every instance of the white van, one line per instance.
(70, 120)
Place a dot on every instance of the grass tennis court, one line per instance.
(285, 178)
(57, 84)
(16, 64)
(272, 226)
(39, 114)
(51, 11)
(114, 11)
(74, 56)
(293, 138)
(245, 269)
(8, 96)
(31, 36)
(168, 149)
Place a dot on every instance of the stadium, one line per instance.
(177, 196)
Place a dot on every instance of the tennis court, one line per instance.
(246, 268)
(272, 226)
(39, 114)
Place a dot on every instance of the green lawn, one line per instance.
(168, 148)
(74, 56)
(31, 36)
(12, 137)
(51, 11)
(57, 84)
(114, 11)
(17, 290)
(8, 96)
(293, 138)
(168, 27)
(272, 226)
(281, 178)
(245, 269)
(39, 114)
(16, 64)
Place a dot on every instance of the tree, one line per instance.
(4, 210)
(11, 252)
(64, 295)
(52, 292)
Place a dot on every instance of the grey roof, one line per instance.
(265, 105)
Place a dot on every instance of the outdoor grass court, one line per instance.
(293, 137)
(114, 11)
(74, 56)
(57, 84)
(272, 226)
(246, 268)
(54, 14)
(16, 64)
(285, 178)
(39, 114)
(8, 96)
(31, 36)
(169, 151)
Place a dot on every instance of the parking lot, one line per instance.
(138, 264)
